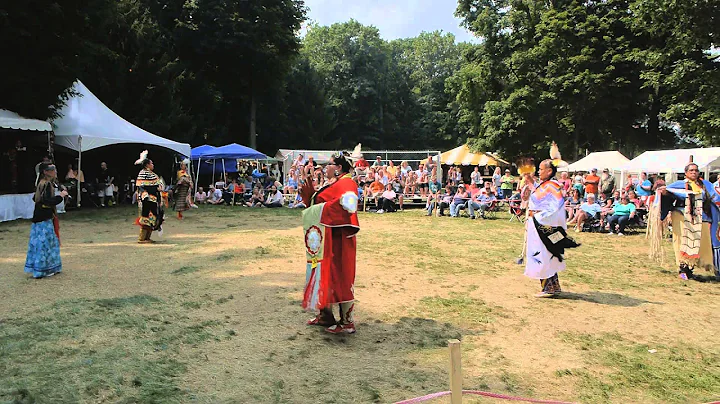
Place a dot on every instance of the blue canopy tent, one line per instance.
(212, 159)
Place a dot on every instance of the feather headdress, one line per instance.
(526, 165)
(356, 153)
(555, 156)
(143, 157)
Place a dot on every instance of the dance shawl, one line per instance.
(330, 225)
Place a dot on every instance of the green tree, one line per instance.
(243, 48)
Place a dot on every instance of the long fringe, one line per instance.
(655, 233)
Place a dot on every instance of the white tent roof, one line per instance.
(85, 115)
(612, 159)
(674, 161)
(12, 120)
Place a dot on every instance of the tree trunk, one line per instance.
(253, 111)
(653, 124)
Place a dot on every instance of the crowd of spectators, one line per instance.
(596, 201)
(593, 201)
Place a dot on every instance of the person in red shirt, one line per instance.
(591, 183)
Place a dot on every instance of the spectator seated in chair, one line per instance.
(459, 201)
(622, 214)
(445, 201)
(572, 204)
(608, 206)
(374, 191)
(588, 211)
(386, 203)
(481, 200)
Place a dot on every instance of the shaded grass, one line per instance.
(121, 349)
(618, 368)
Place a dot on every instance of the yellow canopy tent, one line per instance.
(462, 155)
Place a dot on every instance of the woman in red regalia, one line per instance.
(331, 223)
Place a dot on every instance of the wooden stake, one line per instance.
(455, 372)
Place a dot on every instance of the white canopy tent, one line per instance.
(673, 162)
(613, 160)
(86, 124)
(12, 120)
(20, 206)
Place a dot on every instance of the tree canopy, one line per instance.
(612, 74)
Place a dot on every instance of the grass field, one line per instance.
(211, 314)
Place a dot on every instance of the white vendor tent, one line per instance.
(613, 160)
(12, 120)
(674, 161)
(19, 206)
(86, 124)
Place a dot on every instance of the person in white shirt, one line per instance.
(200, 196)
(476, 178)
(275, 198)
(216, 196)
(387, 200)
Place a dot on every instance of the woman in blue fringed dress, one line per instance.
(43, 256)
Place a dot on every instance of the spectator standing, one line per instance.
(621, 215)
(105, 187)
(578, 184)
(497, 180)
(607, 183)
(565, 182)
(591, 183)
(506, 186)
(644, 186)
(476, 178)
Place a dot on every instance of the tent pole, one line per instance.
(197, 177)
(224, 180)
(213, 171)
(79, 169)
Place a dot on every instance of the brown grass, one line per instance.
(211, 314)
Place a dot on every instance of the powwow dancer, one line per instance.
(330, 224)
(182, 189)
(694, 206)
(547, 238)
(150, 199)
(43, 256)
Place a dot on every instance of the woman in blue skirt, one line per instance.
(43, 257)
